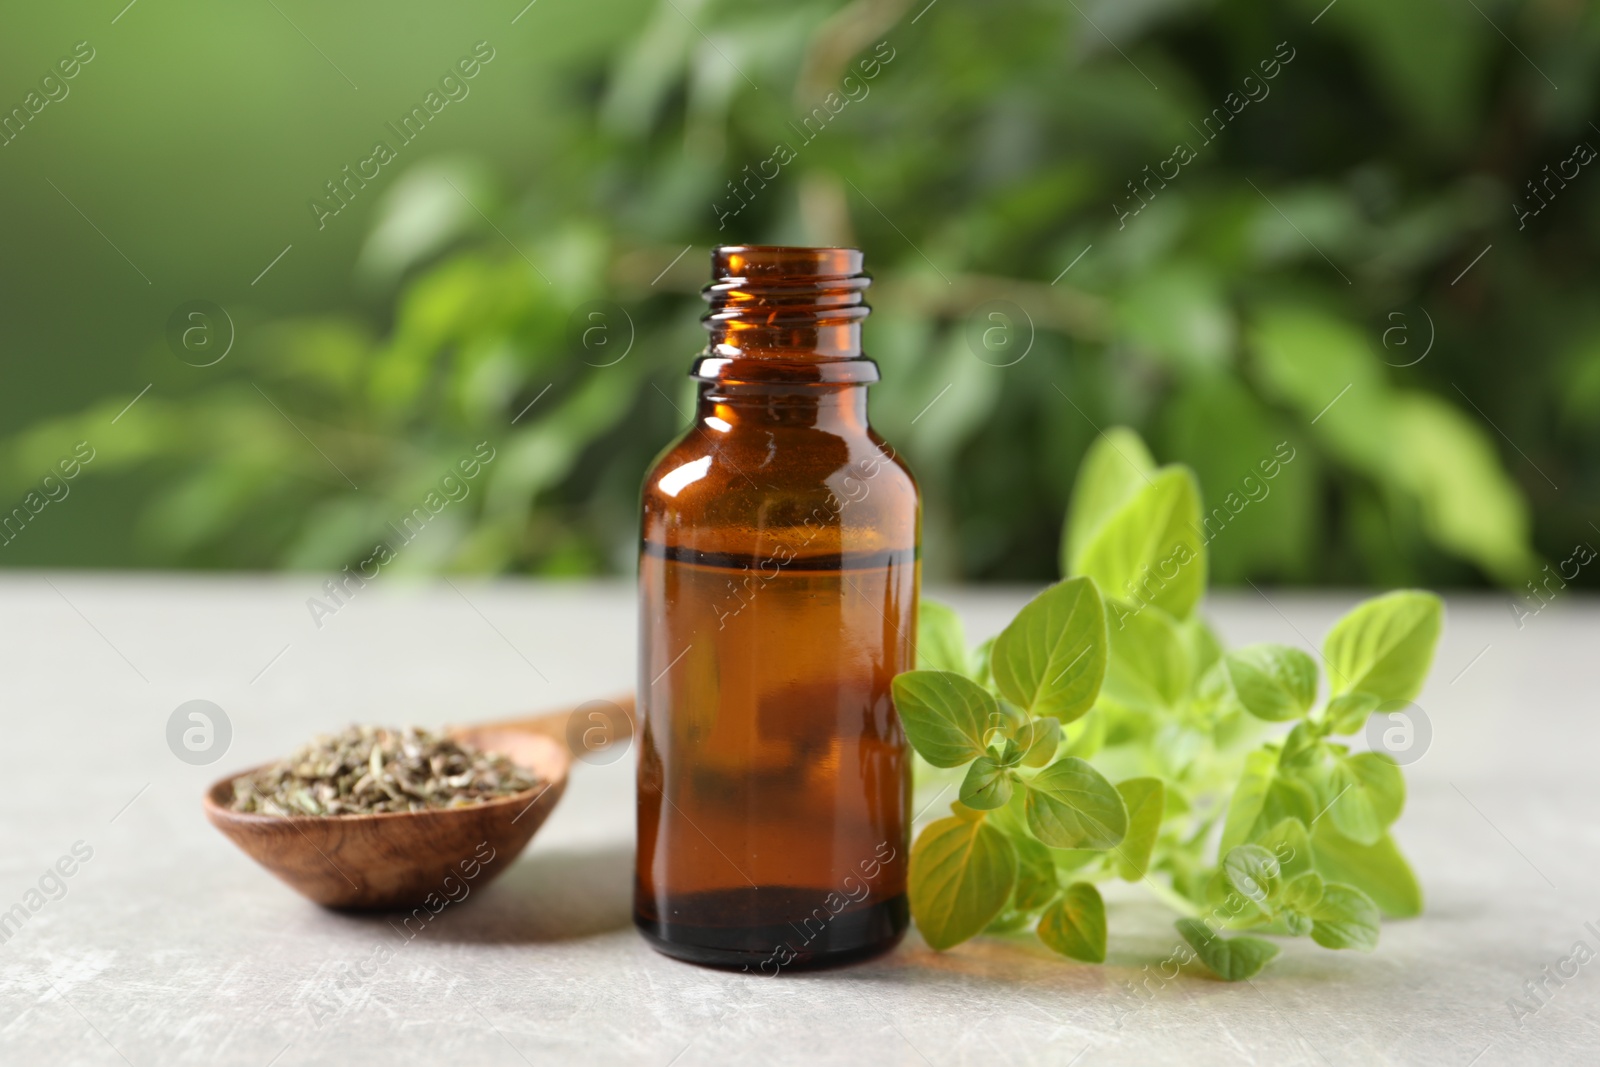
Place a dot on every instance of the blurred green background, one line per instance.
(1345, 262)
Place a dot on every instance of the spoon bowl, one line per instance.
(407, 859)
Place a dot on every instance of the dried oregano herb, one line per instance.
(368, 769)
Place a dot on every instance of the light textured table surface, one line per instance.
(169, 946)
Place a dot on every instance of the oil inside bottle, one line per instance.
(773, 784)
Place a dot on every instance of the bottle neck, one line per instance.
(725, 406)
(786, 315)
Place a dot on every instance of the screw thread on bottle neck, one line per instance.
(790, 304)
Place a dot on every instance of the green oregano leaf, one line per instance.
(1369, 791)
(1232, 908)
(966, 814)
(1011, 819)
(1301, 744)
(1213, 692)
(1151, 550)
(1378, 870)
(1302, 893)
(986, 786)
(1233, 958)
(1348, 712)
(1145, 799)
(1009, 922)
(1149, 667)
(1249, 797)
(1296, 922)
(1205, 647)
(1052, 658)
(1290, 845)
(1253, 873)
(945, 715)
(1289, 796)
(1273, 682)
(1071, 805)
(1070, 860)
(1345, 917)
(1039, 739)
(1037, 884)
(1075, 925)
(1385, 645)
(1116, 466)
(961, 877)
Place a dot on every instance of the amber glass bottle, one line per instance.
(778, 581)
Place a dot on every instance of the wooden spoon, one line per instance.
(415, 858)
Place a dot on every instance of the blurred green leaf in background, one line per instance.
(1271, 238)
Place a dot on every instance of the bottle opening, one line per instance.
(784, 263)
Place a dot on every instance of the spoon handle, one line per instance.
(600, 726)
